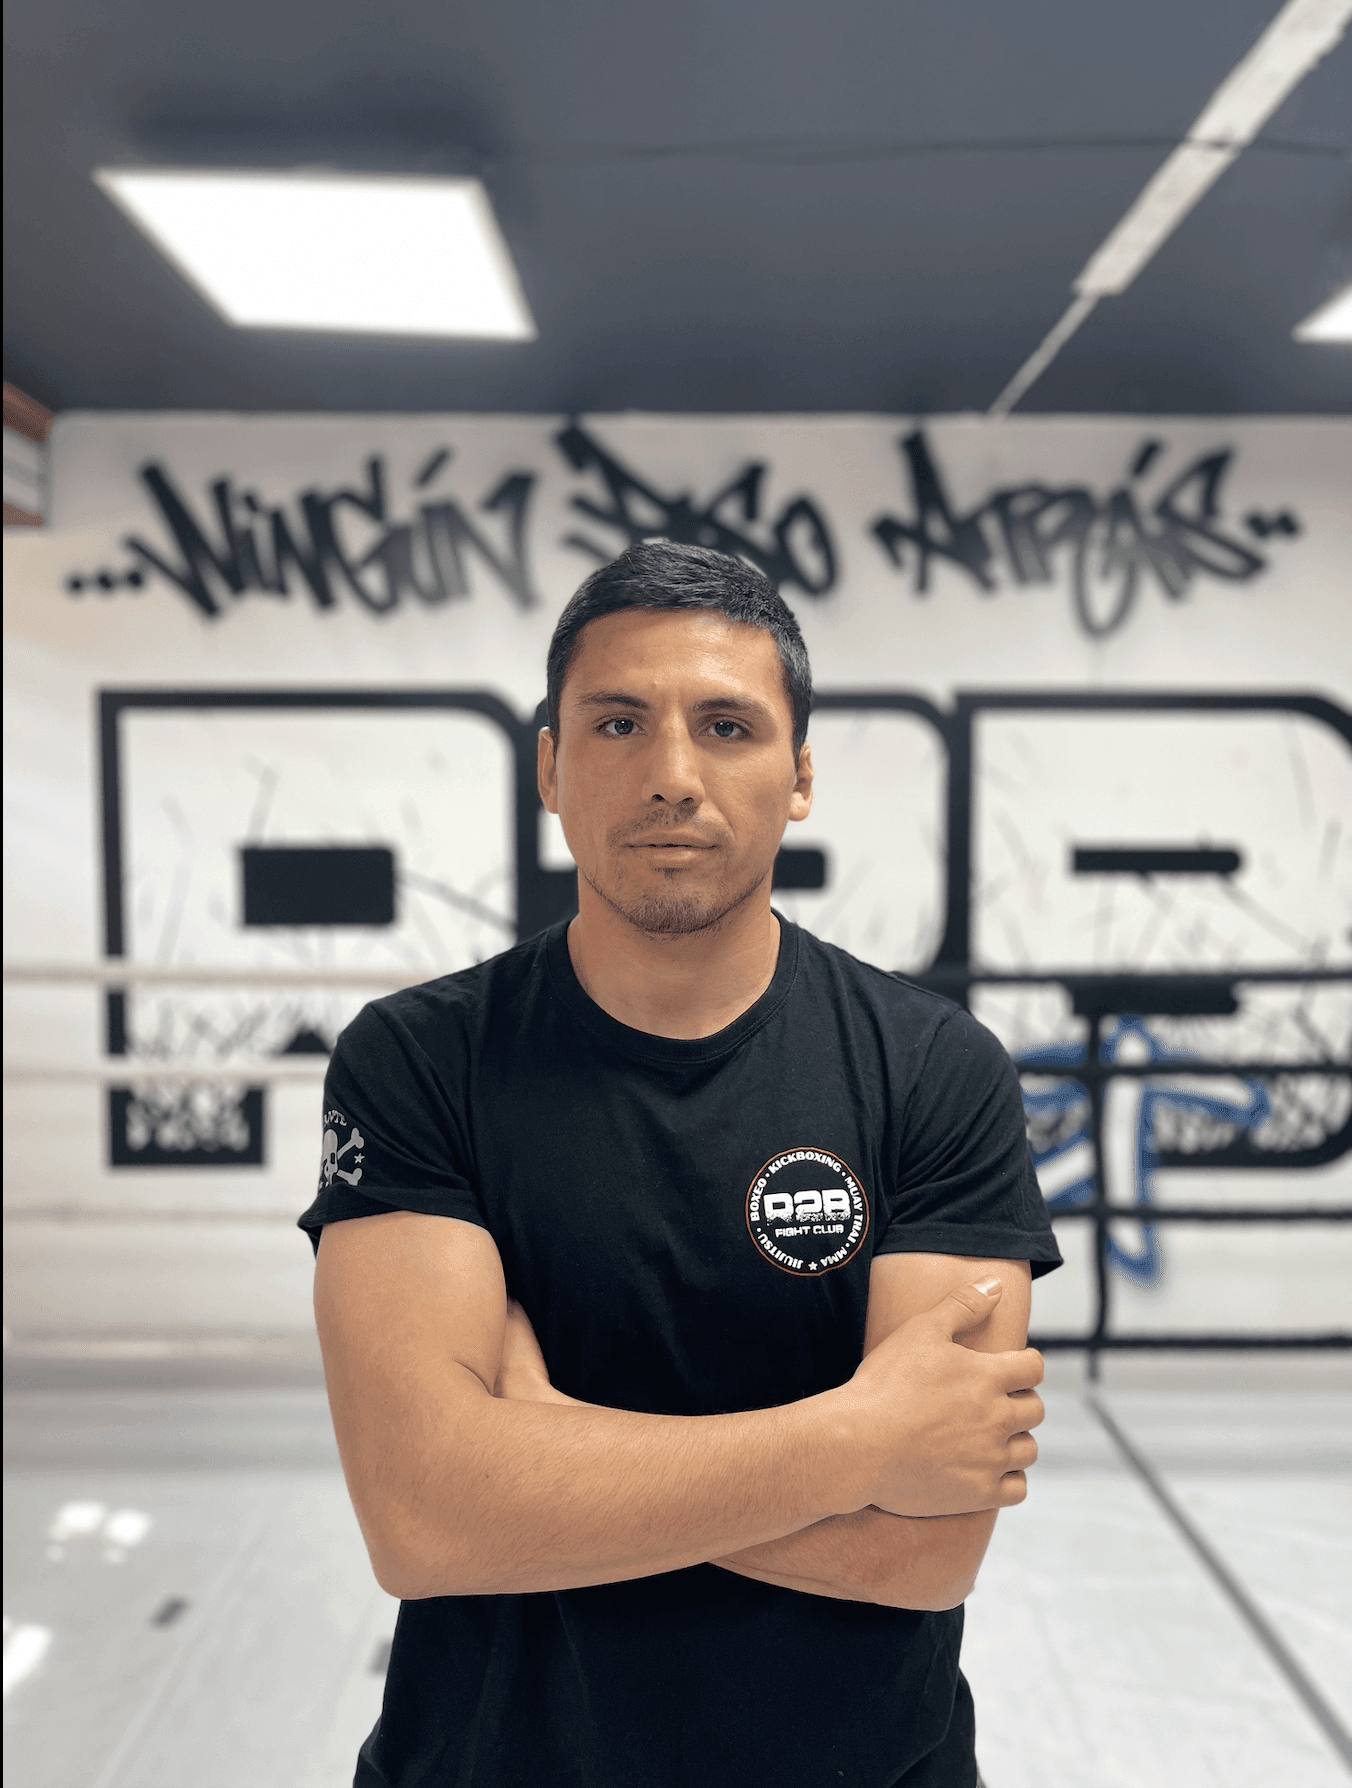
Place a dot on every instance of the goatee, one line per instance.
(673, 915)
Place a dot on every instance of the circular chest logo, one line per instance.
(807, 1211)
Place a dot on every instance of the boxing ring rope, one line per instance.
(1093, 1073)
(121, 975)
(127, 974)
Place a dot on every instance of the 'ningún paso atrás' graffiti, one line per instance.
(348, 545)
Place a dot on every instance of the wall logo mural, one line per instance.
(1083, 754)
(1165, 1003)
(361, 543)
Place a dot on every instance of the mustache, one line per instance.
(654, 825)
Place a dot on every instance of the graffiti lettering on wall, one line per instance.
(1060, 1128)
(1114, 545)
(796, 549)
(249, 548)
(348, 544)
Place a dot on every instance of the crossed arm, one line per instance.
(908, 1561)
(884, 1490)
(868, 1556)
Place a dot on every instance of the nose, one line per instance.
(673, 768)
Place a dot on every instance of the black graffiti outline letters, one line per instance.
(1113, 543)
(252, 548)
(799, 548)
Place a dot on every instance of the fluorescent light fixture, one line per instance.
(1331, 322)
(354, 254)
(1301, 35)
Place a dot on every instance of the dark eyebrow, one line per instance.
(609, 698)
(718, 704)
(732, 704)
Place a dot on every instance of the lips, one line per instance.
(673, 844)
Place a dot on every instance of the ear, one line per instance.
(547, 770)
(800, 801)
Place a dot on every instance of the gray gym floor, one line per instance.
(188, 1604)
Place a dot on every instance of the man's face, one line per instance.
(674, 771)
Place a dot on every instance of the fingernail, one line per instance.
(988, 1285)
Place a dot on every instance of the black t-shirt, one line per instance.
(689, 1226)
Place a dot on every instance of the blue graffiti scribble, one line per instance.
(1057, 1108)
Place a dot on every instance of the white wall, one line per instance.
(1257, 608)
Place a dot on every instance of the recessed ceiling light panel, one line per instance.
(1331, 322)
(354, 254)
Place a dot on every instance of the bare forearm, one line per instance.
(527, 1496)
(461, 1491)
(899, 1561)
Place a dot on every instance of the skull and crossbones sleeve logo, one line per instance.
(335, 1152)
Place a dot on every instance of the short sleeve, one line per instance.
(393, 1135)
(965, 1180)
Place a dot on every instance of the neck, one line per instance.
(689, 986)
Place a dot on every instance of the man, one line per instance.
(715, 1526)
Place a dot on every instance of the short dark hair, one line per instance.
(661, 574)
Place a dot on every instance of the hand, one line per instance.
(523, 1376)
(945, 1430)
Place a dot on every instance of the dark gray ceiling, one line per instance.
(714, 204)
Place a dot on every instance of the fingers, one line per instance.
(1024, 1410)
(1022, 1452)
(1018, 1371)
(964, 1308)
